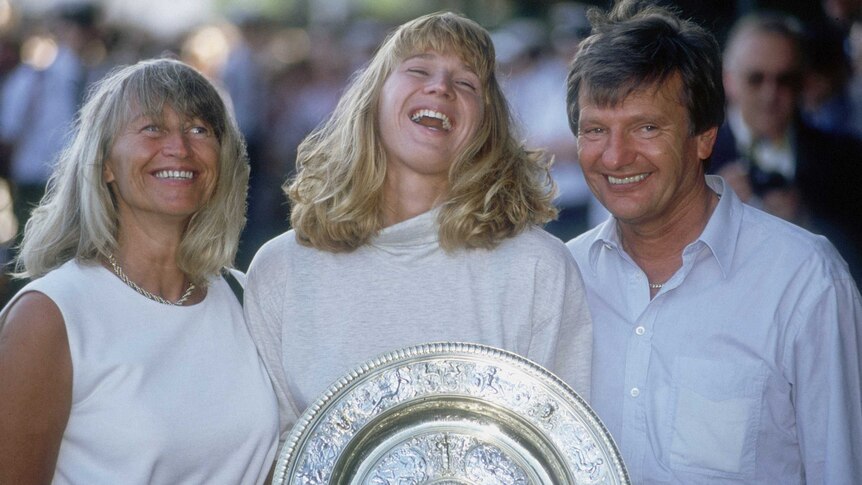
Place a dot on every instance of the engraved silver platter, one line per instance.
(449, 414)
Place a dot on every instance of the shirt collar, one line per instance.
(720, 234)
(607, 237)
(722, 231)
(416, 231)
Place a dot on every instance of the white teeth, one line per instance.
(174, 174)
(627, 180)
(427, 113)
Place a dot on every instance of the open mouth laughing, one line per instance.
(432, 119)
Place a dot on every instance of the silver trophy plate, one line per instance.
(449, 414)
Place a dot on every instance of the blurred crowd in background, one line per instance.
(283, 71)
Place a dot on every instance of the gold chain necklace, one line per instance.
(125, 279)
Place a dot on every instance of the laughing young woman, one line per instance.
(416, 218)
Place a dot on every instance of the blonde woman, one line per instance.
(126, 359)
(416, 218)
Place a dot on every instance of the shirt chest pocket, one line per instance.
(716, 415)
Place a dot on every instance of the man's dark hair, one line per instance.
(637, 45)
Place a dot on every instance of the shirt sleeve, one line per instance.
(825, 376)
(263, 312)
(564, 342)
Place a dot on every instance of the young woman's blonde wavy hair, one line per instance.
(77, 218)
(496, 189)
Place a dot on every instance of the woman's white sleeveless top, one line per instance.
(160, 394)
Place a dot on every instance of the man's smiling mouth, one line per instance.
(627, 180)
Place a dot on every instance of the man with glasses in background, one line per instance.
(769, 155)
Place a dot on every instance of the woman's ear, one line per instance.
(107, 173)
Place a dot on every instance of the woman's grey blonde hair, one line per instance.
(77, 218)
(496, 189)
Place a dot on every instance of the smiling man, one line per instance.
(726, 341)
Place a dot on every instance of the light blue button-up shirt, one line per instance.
(745, 367)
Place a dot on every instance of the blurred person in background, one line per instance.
(535, 61)
(416, 216)
(38, 103)
(127, 358)
(10, 49)
(245, 79)
(843, 12)
(307, 92)
(769, 154)
(825, 99)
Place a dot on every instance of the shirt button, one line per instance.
(635, 392)
(608, 246)
(640, 330)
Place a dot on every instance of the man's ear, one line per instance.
(705, 142)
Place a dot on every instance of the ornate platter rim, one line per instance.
(313, 416)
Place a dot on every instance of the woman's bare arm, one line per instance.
(35, 389)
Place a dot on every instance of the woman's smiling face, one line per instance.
(165, 166)
(430, 109)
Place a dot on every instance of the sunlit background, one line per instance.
(206, 30)
(282, 65)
